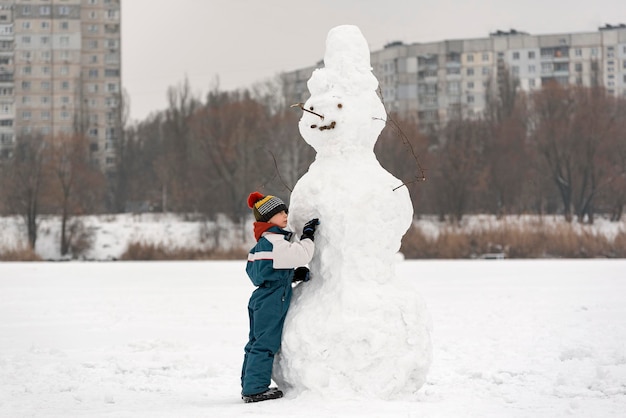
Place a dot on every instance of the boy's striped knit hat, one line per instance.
(264, 207)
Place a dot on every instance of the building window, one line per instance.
(470, 57)
(25, 85)
(25, 99)
(578, 67)
(65, 70)
(64, 10)
(27, 70)
(92, 28)
(45, 70)
(45, 40)
(93, 73)
(532, 69)
(111, 73)
(531, 54)
(26, 25)
(45, 100)
(546, 67)
(45, 85)
(515, 55)
(470, 98)
(470, 85)
(64, 40)
(112, 87)
(45, 56)
(65, 115)
(93, 15)
(486, 71)
(64, 25)
(26, 115)
(93, 44)
(470, 71)
(45, 115)
(594, 52)
(44, 10)
(26, 40)
(485, 56)
(578, 52)
(26, 10)
(65, 85)
(45, 24)
(515, 70)
(65, 100)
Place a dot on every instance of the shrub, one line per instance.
(158, 252)
(538, 241)
(19, 254)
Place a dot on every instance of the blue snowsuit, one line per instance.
(271, 263)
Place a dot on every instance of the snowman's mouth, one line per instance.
(324, 127)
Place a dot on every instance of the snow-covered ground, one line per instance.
(511, 339)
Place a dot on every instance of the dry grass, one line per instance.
(561, 241)
(158, 252)
(19, 254)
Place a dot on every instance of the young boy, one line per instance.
(271, 264)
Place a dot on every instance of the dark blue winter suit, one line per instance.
(271, 263)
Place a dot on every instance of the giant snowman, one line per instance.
(355, 328)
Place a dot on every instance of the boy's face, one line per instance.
(279, 219)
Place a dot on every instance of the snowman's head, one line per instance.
(344, 113)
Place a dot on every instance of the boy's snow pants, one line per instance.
(267, 310)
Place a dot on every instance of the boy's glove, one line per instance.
(301, 274)
(309, 229)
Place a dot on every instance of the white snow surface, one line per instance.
(136, 339)
(363, 212)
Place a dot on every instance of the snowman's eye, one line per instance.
(311, 108)
(339, 105)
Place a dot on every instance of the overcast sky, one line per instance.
(242, 42)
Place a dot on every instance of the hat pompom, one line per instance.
(253, 198)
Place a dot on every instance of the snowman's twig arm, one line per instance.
(406, 142)
(278, 171)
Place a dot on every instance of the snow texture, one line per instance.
(529, 338)
(355, 328)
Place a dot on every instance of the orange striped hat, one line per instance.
(265, 207)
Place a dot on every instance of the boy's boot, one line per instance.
(271, 393)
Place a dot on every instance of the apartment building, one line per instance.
(439, 81)
(60, 73)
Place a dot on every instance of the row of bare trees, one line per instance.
(558, 150)
(51, 177)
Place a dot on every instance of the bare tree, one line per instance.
(79, 185)
(24, 182)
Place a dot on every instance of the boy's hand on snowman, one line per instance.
(309, 229)
(301, 274)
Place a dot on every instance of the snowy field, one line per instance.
(512, 339)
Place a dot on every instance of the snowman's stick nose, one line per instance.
(301, 106)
